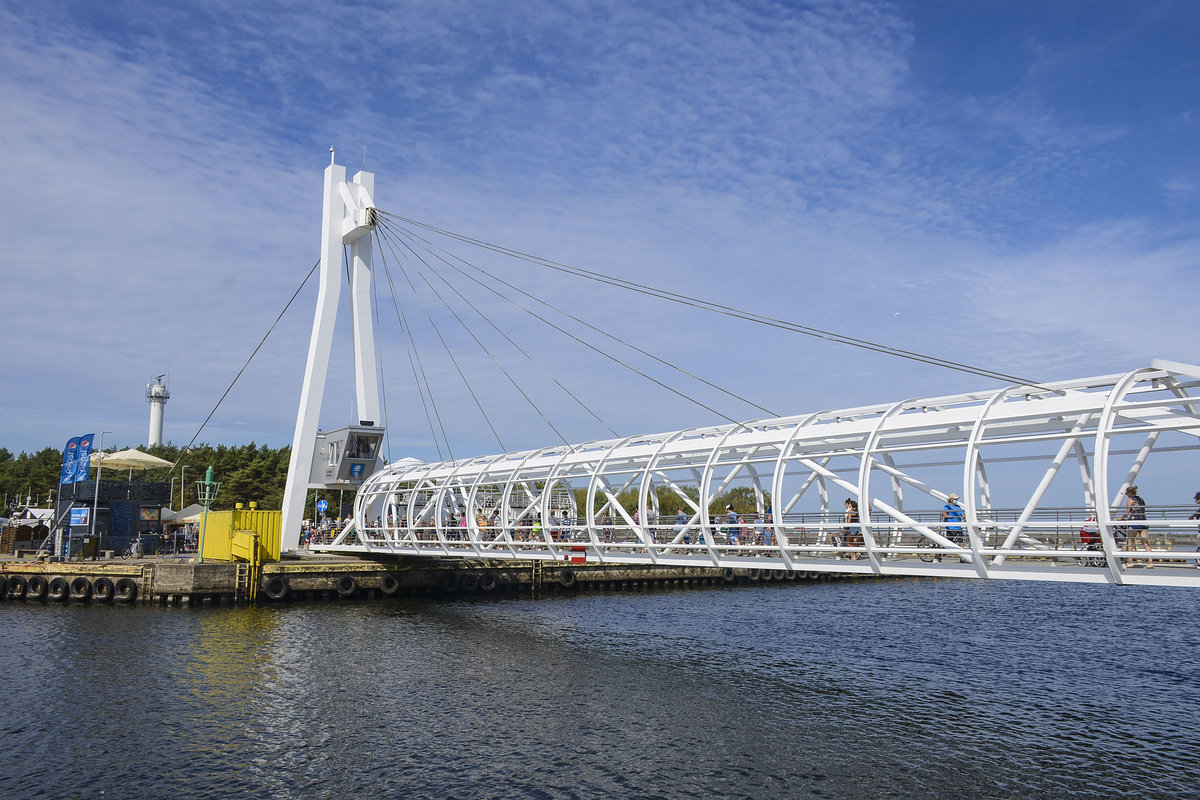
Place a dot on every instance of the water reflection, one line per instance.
(926, 688)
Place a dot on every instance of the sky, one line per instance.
(1013, 185)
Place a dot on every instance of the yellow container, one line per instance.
(236, 535)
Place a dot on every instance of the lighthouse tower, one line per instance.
(157, 396)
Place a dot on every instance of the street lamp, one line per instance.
(207, 490)
(96, 494)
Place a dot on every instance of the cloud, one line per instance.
(1109, 293)
(1179, 188)
(163, 204)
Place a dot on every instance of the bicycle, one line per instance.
(930, 551)
(170, 548)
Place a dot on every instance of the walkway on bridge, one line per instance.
(901, 463)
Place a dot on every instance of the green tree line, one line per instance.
(258, 473)
(249, 472)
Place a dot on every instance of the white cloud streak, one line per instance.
(163, 200)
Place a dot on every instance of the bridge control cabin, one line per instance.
(344, 457)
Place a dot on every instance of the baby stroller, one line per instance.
(1089, 539)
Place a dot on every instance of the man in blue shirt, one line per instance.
(952, 515)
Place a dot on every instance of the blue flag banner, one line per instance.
(85, 455)
(70, 456)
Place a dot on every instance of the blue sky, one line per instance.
(1009, 184)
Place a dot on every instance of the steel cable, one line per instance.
(509, 339)
(482, 346)
(601, 352)
(446, 346)
(261, 342)
(411, 345)
(731, 311)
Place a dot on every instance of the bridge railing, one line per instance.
(1172, 536)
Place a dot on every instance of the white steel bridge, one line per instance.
(1031, 466)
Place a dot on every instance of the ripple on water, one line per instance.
(885, 689)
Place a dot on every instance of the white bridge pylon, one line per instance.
(1012, 455)
(348, 216)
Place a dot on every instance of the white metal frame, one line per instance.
(899, 461)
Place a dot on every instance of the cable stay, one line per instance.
(510, 340)
(726, 310)
(568, 315)
(609, 355)
(449, 352)
(414, 360)
(379, 360)
(400, 231)
(525, 353)
(250, 358)
(482, 346)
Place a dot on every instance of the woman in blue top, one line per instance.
(681, 522)
(731, 533)
(1136, 511)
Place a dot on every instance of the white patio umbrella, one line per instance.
(129, 459)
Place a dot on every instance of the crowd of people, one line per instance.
(730, 529)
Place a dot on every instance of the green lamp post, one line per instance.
(206, 491)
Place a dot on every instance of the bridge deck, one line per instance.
(1177, 564)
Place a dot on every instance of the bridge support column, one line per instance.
(349, 214)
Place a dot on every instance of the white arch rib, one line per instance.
(935, 446)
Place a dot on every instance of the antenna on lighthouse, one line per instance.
(157, 396)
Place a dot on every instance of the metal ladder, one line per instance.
(535, 581)
(146, 590)
(242, 584)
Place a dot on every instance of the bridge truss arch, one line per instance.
(1037, 470)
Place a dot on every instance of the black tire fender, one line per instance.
(729, 575)
(389, 584)
(59, 589)
(567, 578)
(469, 582)
(103, 590)
(17, 586)
(127, 590)
(276, 587)
(346, 586)
(37, 588)
(81, 589)
(754, 574)
(448, 582)
(487, 583)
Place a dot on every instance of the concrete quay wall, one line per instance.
(324, 578)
